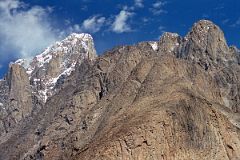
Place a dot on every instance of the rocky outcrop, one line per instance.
(16, 98)
(172, 99)
(20, 100)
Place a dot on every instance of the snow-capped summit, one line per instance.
(58, 61)
(69, 50)
(20, 62)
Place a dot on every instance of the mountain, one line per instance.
(176, 98)
(27, 87)
(49, 69)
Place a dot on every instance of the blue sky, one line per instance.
(29, 26)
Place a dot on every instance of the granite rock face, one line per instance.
(177, 98)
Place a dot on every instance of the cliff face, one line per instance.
(172, 99)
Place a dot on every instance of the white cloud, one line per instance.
(93, 24)
(225, 21)
(236, 23)
(145, 19)
(157, 8)
(24, 31)
(161, 28)
(139, 3)
(120, 24)
(158, 4)
(84, 8)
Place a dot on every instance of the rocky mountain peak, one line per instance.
(204, 31)
(206, 45)
(203, 26)
(68, 50)
(57, 62)
(169, 42)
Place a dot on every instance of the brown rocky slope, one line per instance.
(179, 100)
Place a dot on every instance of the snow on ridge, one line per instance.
(43, 58)
(66, 49)
(154, 45)
(22, 62)
(19, 61)
(63, 46)
(83, 36)
(51, 83)
(66, 72)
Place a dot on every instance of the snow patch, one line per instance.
(172, 48)
(51, 83)
(44, 57)
(20, 61)
(226, 102)
(2, 106)
(43, 94)
(154, 46)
